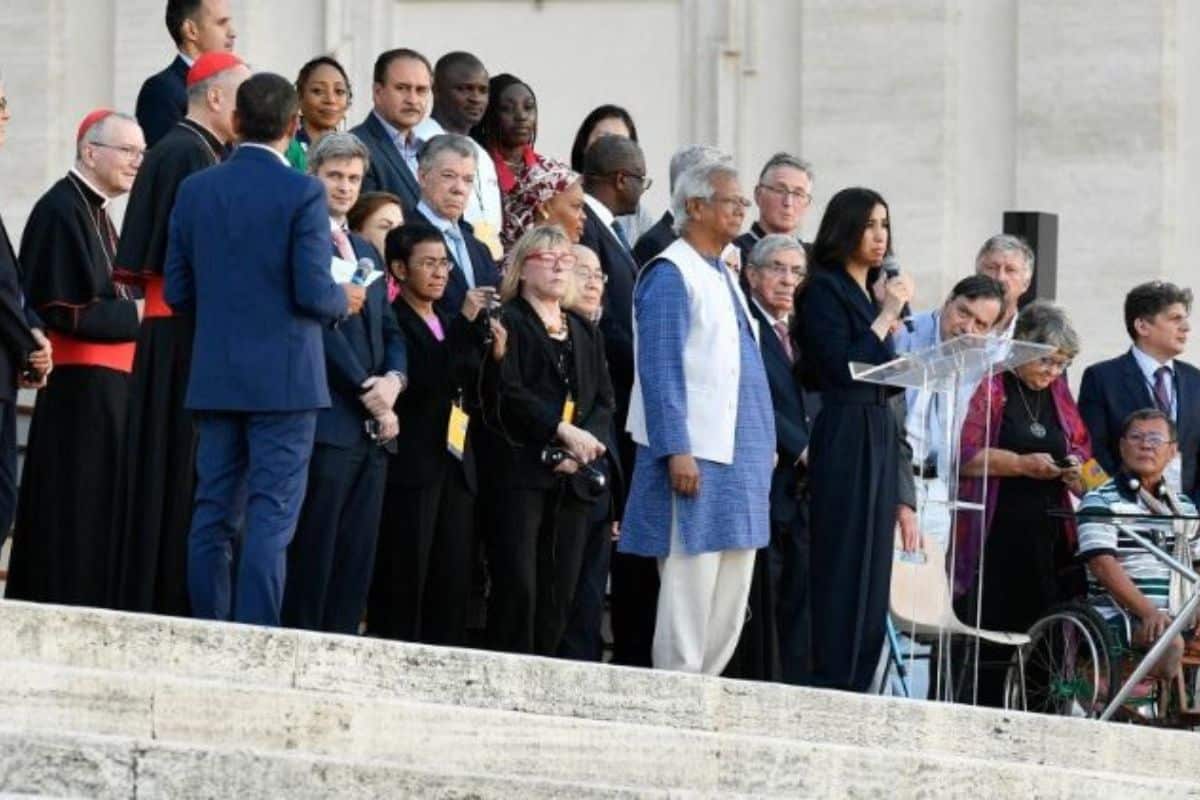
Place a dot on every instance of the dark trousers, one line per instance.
(634, 608)
(582, 640)
(8, 467)
(421, 590)
(535, 551)
(251, 471)
(330, 558)
(789, 563)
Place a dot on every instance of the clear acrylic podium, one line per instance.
(921, 599)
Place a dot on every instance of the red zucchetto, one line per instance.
(210, 64)
(91, 119)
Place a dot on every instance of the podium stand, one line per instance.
(921, 591)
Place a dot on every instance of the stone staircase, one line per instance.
(102, 704)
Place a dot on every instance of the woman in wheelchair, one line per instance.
(1127, 585)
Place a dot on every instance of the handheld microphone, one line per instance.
(362, 272)
(891, 268)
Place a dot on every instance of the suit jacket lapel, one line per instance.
(855, 297)
(1135, 383)
(391, 154)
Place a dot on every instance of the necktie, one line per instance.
(621, 236)
(1162, 393)
(461, 259)
(342, 242)
(781, 330)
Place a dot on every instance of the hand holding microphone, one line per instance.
(356, 293)
(894, 291)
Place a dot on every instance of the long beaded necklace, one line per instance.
(1035, 426)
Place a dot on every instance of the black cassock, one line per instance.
(156, 480)
(61, 538)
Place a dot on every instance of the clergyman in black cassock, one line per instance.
(61, 539)
(154, 491)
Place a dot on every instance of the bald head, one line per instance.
(610, 154)
(615, 173)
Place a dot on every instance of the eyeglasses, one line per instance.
(591, 276)
(549, 259)
(430, 263)
(129, 151)
(1054, 364)
(783, 193)
(783, 270)
(1151, 440)
(642, 180)
(731, 202)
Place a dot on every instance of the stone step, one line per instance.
(69, 764)
(565, 751)
(378, 670)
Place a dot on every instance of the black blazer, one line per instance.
(387, 172)
(524, 395)
(482, 263)
(792, 420)
(438, 374)
(835, 318)
(16, 318)
(356, 349)
(162, 101)
(1112, 390)
(659, 236)
(617, 322)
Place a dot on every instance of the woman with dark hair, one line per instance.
(509, 129)
(550, 393)
(421, 587)
(611, 120)
(372, 217)
(853, 451)
(325, 95)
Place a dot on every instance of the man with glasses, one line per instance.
(700, 413)
(447, 177)
(783, 196)
(1127, 584)
(61, 542)
(1149, 375)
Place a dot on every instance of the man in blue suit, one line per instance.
(401, 91)
(1149, 375)
(331, 557)
(197, 27)
(774, 271)
(447, 172)
(249, 257)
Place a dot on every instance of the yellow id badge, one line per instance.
(456, 431)
(569, 410)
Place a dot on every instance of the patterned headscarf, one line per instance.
(540, 184)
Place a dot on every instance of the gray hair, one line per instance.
(786, 160)
(454, 143)
(99, 130)
(696, 184)
(687, 157)
(766, 248)
(1042, 322)
(1006, 243)
(337, 146)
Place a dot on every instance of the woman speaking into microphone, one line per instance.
(550, 394)
(847, 312)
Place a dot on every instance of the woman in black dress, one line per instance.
(421, 586)
(847, 313)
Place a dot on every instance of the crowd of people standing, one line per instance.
(416, 379)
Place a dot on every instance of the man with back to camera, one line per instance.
(403, 82)
(197, 27)
(460, 96)
(1148, 375)
(332, 554)
(258, 363)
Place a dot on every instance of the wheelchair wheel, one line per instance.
(1066, 669)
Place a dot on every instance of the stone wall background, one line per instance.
(956, 110)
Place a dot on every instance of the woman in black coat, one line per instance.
(421, 586)
(853, 449)
(551, 389)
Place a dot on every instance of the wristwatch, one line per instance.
(400, 376)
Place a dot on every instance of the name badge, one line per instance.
(456, 431)
(568, 413)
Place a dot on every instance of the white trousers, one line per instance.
(701, 607)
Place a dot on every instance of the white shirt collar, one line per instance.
(105, 199)
(774, 319)
(335, 225)
(1008, 332)
(269, 149)
(187, 59)
(441, 223)
(428, 128)
(600, 210)
(1148, 365)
